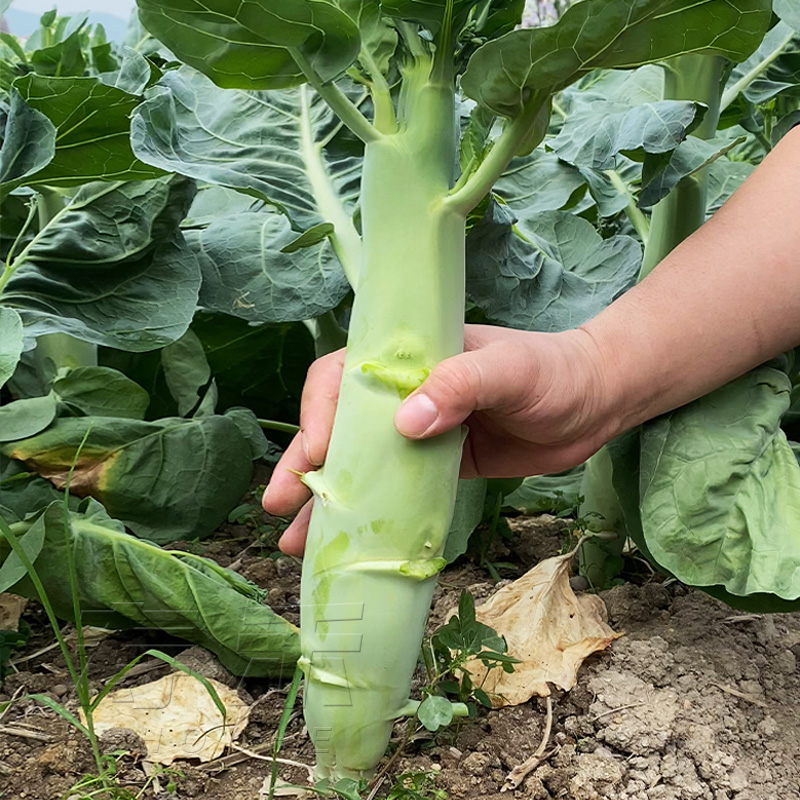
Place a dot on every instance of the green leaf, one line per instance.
(538, 182)
(124, 582)
(247, 272)
(27, 417)
(250, 142)
(435, 712)
(724, 178)
(92, 121)
(12, 570)
(101, 269)
(596, 132)
(63, 59)
(11, 343)
(788, 11)
(619, 34)
(187, 374)
(28, 141)
(468, 514)
(773, 68)
(662, 173)
(550, 272)
(720, 489)
(134, 74)
(547, 494)
(253, 45)
(100, 391)
(167, 480)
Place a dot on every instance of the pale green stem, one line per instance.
(515, 133)
(385, 117)
(345, 238)
(341, 104)
(8, 269)
(683, 211)
(328, 335)
(380, 497)
(633, 212)
(732, 92)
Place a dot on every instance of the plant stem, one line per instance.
(283, 427)
(683, 210)
(385, 117)
(514, 135)
(732, 92)
(345, 239)
(344, 108)
(328, 335)
(635, 214)
(382, 500)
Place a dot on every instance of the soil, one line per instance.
(696, 702)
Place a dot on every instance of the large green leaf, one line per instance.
(622, 34)
(248, 274)
(11, 343)
(100, 391)
(720, 489)
(594, 133)
(111, 268)
(28, 141)
(538, 182)
(549, 272)
(724, 178)
(428, 12)
(188, 376)
(26, 417)
(125, 582)
(92, 122)
(167, 480)
(788, 11)
(253, 142)
(252, 45)
(547, 494)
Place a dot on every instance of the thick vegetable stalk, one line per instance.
(383, 504)
(676, 217)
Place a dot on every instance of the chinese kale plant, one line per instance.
(383, 504)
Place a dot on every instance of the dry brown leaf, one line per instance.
(11, 608)
(176, 717)
(549, 628)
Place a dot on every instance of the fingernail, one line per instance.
(264, 496)
(416, 415)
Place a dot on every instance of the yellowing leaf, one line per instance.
(549, 628)
(176, 717)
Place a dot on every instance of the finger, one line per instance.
(286, 492)
(293, 541)
(318, 405)
(469, 382)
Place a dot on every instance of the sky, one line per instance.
(119, 8)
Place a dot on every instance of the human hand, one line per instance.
(534, 403)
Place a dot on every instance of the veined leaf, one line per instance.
(102, 268)
(549, 272)
(263, 144)
(167, 480)
(26, 417)
(125, 582)
(720, 489)
(253, 45)
(100, 391)
(618, 34)
(28, 142)
(428, 12)
(594, 133)
(11, 343)
(538, 182)
(92, 122)
(187, 374)
(248, 273)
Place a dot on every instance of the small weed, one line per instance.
(446, 653)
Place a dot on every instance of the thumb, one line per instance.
(453, 390)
